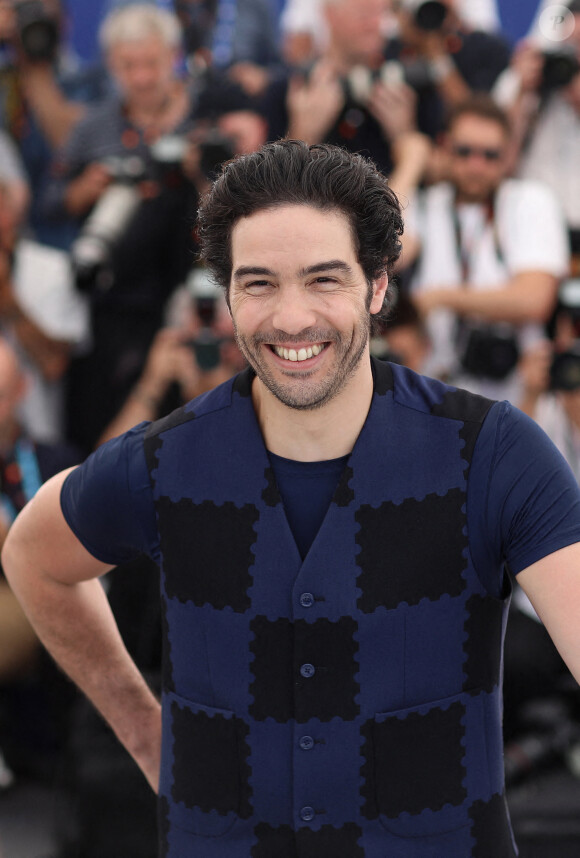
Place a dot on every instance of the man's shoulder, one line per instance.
(203, 406)
(519, 192)
(435, 397)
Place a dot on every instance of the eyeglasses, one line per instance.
(463, 150)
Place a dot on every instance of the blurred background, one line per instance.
(114, 118)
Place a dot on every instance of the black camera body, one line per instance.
(205, 296)
(214, 147)
(38, 31)
(490, 352)
(565, 369)
(559, 69)
(430, 16)
(91, 252)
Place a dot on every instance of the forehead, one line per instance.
(292, 235)
(477, 129)
(131, 49)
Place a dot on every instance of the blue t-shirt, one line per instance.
(523, 501)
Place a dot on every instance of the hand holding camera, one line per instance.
(314, 103)
(32, 27)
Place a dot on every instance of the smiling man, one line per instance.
(333, 535)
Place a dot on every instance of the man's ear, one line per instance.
(380, 286)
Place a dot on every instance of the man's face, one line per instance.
(300, 302)
(143, 70)
(357, 27)
(477, 157)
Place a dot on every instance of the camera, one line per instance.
(489, 352)
(565, 369)
(91, 251)
(361, 79)
(214, 147)
(430, 15)
(559, 69)
(37, 31)
(205, 295)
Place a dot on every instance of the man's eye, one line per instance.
(256, 286)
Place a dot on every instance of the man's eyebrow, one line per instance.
(331, 265)
(245, 270)
(317, 268)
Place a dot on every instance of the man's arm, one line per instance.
(55, 579)
(529, 296)
(552, 585)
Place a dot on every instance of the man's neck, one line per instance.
(319, 434)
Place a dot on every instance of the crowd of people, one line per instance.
(106, 317)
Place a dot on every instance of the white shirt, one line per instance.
(45, 292)
(553, 155)
(530, 235)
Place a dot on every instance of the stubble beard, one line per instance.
(300, 393)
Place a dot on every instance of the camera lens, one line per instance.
(430, 15)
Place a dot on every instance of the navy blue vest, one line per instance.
(348, 705)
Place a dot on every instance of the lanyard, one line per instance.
(465, 254)
(26, 477)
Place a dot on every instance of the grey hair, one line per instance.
(139, 21)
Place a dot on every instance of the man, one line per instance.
(333, 615)
(542, 91)
(491, 253)
(42, 316)
(43, 94)
(347, 99)
(24, 466)
(151, 255)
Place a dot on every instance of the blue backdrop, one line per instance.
(516, 17)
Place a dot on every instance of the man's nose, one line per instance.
(293, 311)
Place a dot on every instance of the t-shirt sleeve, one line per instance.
(523, 499)
(108, 502)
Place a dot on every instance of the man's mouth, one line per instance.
(301, 354)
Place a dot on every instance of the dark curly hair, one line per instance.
(290, 172)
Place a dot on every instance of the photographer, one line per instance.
(545, 102)
(42, 316)
(550, 375)
(443, 58)
(135, 205)
(490, 252)
(43, 94)
(194, 353)
(349, 98)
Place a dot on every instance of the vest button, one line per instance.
(307, 670)
(307, 814)
(306, 743)
(306, 600)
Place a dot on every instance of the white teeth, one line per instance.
(300, 355)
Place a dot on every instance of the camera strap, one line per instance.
(465, 253)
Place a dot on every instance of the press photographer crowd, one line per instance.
(107, 318)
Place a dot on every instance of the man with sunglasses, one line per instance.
(490, 252)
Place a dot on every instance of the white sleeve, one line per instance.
(11, 166)
(45, 290)
(533, 232)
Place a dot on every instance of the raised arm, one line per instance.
(56, 580)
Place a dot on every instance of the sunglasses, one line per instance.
(463, 150)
